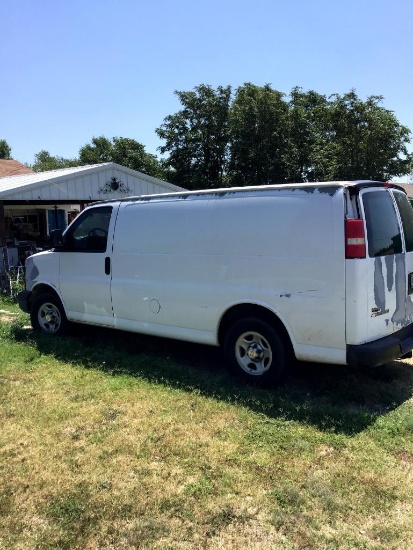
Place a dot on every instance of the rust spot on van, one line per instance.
(232, 192)
(322, 190)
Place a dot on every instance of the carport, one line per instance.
(33, 204)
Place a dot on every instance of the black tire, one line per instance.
(256, 352)
(48, 316)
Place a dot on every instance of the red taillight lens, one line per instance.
(355, 239)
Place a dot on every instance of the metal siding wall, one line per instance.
(98, 183)
(133, 184)
(138, 187)
(144, 187)
(46, 193)
(58, 191)
(87, 187)
(79, 187)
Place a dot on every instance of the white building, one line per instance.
(36, 203)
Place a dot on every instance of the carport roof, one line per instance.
(37, 181)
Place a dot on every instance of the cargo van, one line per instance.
(320, 271)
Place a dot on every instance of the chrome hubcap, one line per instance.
(49, 318)
(253, 353)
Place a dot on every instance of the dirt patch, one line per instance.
(7, 316)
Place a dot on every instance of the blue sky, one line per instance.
(71, 70)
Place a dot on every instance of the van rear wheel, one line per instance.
(256, 352)
(47, 315)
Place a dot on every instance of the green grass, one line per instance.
(112, 440)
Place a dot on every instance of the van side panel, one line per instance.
(163, 272)
(180, 263)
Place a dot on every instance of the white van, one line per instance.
(322, 270)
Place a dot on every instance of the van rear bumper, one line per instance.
(383, 350)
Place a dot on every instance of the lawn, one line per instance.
(111, 440)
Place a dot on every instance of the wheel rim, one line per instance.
(253, 353)
(49, 318)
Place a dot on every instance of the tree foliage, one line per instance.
(123, 151)
(5, 150)
(259, 136)
(99, 150)
(366, 139)
(258, 123)
(44, 161)
(308, 152)
(197, 138)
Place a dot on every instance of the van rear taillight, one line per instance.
(355, 239)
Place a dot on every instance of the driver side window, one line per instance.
(89, 232)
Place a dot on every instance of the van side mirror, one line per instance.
(56, 238)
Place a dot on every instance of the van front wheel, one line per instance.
(47, 315)
(256, 352)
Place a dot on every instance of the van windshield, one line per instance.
(383, 231)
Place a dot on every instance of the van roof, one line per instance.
(323, 187)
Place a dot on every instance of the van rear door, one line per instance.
(389, 263)
(405, 211)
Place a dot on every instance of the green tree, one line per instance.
(44, 161)
(124, 151)
(132, 154)
(367, 141)
(98, 151)
(309, 152)
(196, 138)
(5, 150)
(258, 136)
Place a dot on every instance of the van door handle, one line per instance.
(107, 265)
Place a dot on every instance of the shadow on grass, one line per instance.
(330, 397)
